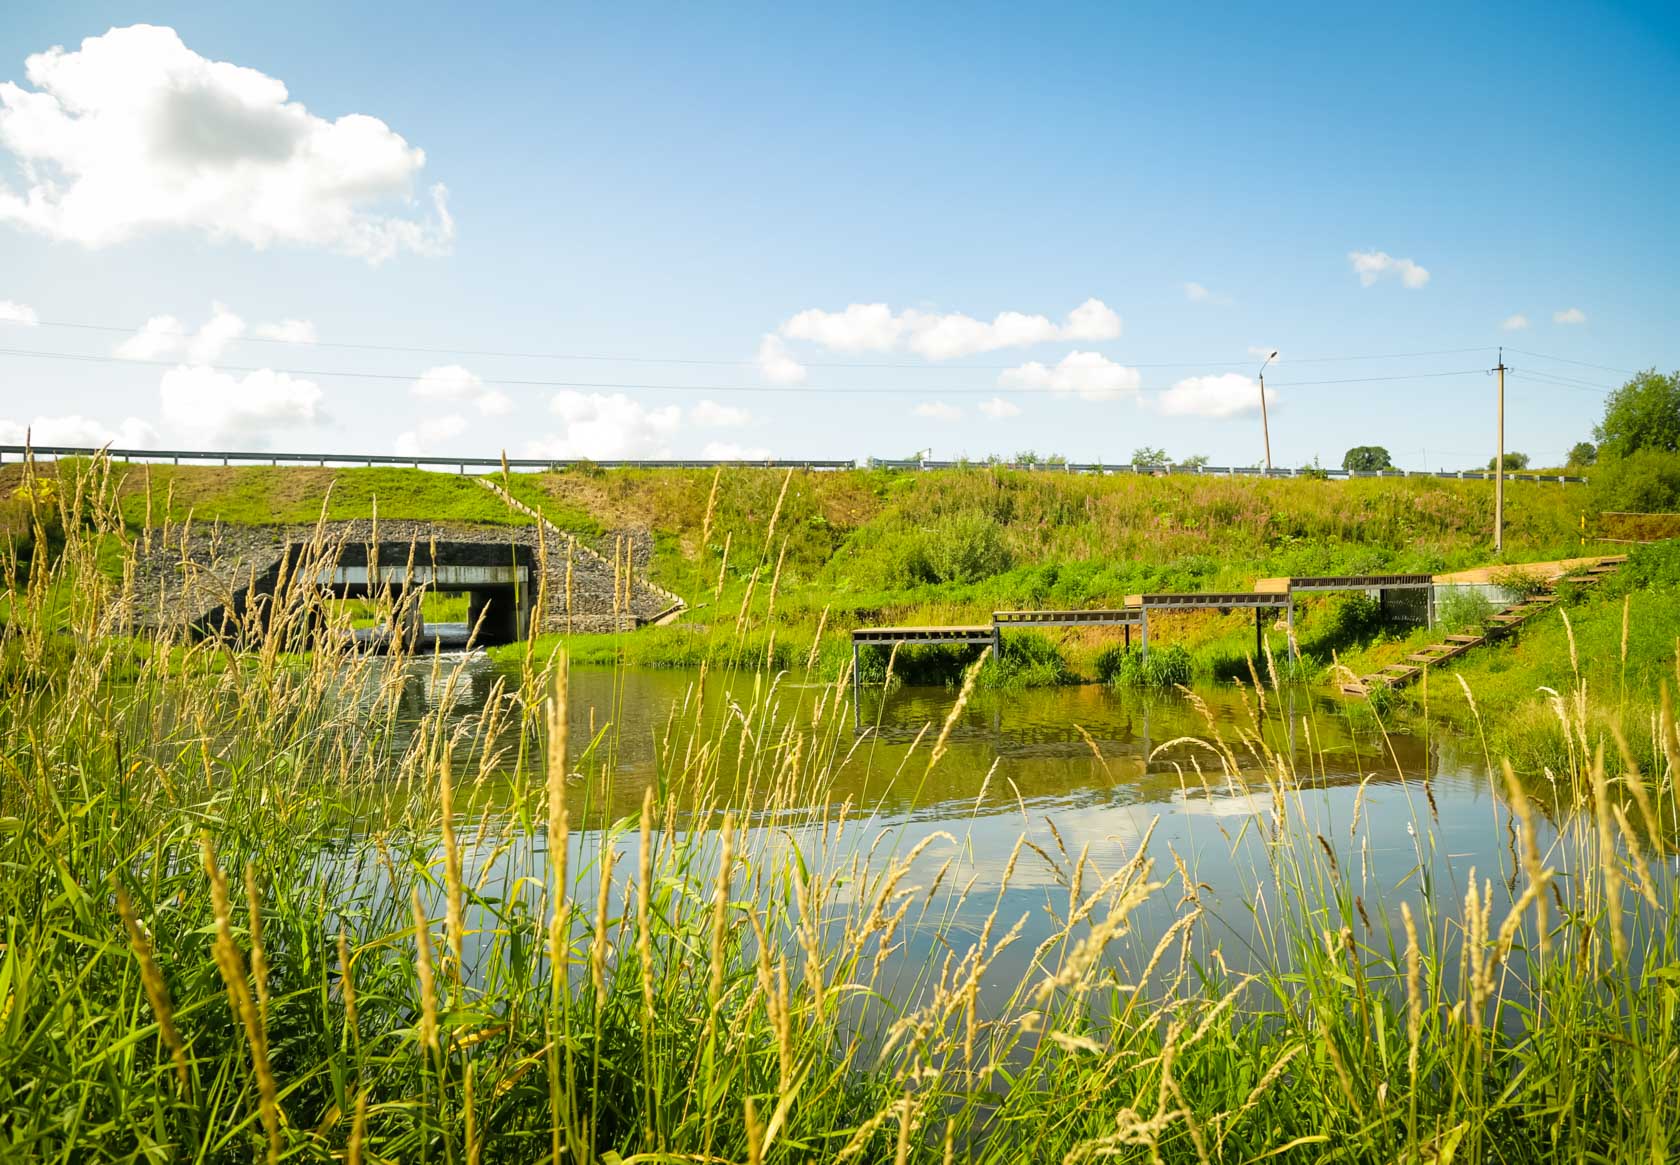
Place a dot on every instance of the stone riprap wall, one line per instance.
(187, 576)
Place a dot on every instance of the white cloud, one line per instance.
(219, 405)
(1371, 266)
(998, 409)
(211, 340)
(1198, 293)
(1514, 323)
(730, 451)
(875, 327)
(1227, 395)
(12, 312)
(776, 364)
(712, 415)
(165, 338)
(134, 132)
(75, 430)
(452, 382)
(862, 327)
(607, 428)
(448, 382)
(938, 410)
(288, 331)
(1090, 375)
(1092, 320)
(429, 434)
(1569, 315)
(159, 338)
(495, 403)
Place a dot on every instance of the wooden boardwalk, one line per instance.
(1499, 625)
(1271, 594)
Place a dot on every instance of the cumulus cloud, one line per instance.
(711, 415)
(222, 406)
(451, 382)
(938, 410)
(77, 430)
(1569, 315)
(1514, 323)
(998, 409)
(730, 451)
(165, 338)
(776, 364)
(1088, 375)
(158, 338)
(287, 331)
(1227, 395)
(12, 312)
(429, 434)
(1198, 293)
(875, 327)
(134, 132)
(607, 428)
(861, 327)
(1371, 266)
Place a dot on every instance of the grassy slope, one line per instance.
(1617, 643)
(880, 547)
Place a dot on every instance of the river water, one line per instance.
(1077, 770)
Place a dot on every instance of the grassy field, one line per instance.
(829, 551)
(251, 913)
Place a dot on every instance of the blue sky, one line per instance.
(690, 189)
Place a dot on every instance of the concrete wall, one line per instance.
(190, 577)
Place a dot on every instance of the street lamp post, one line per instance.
(1265, 425)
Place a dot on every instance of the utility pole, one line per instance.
(1499, 464)
(1265, 425)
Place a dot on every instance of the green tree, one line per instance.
(1367, 459)
(1642, 414)
(1513, 461)
(1195, 462)
(1145, 455)
(1582, 454)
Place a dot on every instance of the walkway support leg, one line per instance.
(1144, 635)
(1289, 622)
(1259, 644)
(856, 685)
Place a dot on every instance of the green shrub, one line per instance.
(1161, 668)
(1645, 481)
(1461, 608)
(1523, 583)
(1029, 660)
(960, 548)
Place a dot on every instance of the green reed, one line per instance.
(252, 908)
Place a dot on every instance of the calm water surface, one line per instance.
(1074, 769)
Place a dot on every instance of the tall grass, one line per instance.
(254, 908)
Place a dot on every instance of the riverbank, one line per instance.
(274, 910)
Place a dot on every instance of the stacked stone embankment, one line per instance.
(185, 576)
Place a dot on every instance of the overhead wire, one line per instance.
(505, 382)
(626, 359)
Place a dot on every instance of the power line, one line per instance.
(1582, 363)
(95, 358)
(1568, 382)
(739, 363)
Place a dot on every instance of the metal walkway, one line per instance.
(1499, 625)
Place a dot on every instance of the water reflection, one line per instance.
(1084, 774)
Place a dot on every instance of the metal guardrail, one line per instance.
(462, 464)
(1223, 470)
(367, 460)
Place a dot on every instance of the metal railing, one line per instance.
(524, 464)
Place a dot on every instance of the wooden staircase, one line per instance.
(1499, 625)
